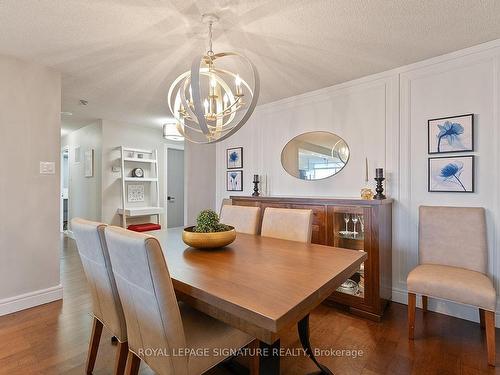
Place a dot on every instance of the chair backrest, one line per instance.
(225, 202)
(244, 219)
(94, 254)
(453, 236)
(148, 299)
(287, 224)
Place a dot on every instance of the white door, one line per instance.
(175, 188)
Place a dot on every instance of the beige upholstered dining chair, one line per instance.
(287, 224)
(106, 306)
(453, 257)
(156, 321)
(244, 219)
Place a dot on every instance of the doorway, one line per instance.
(175, 187)
(64, 189)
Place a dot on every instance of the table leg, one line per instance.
(303, 327)
(269, 358)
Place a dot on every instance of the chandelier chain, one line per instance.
(210, 51)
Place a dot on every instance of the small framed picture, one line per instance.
(234, 180)
(451, 134)
(451, 174)
(234, 158)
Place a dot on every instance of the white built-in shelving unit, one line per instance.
(150, 206)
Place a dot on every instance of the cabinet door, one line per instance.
(349, 228)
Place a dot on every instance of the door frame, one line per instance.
(172, 146)
(61, 200)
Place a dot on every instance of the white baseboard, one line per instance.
(455, 309)
(31, 299)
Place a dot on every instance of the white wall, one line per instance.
(115, 134)
(199, 179)
(30, 105)
(384, 118)
(84, 192)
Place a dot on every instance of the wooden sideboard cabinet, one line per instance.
(352, 224)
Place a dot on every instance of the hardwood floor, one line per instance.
(53, 338)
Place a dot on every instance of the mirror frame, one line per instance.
(315, 131)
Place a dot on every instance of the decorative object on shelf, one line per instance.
(379, 177)
(88, 162)
(208, 233)
(234, 158)
(135, 193)
(451, 174)
(255, 185)
(138, 172)
(234, 180)
(211, 102)
(171, 132)
(315, 155)
(349, 287)
(366, 192)
(451, 134)
(140, 156)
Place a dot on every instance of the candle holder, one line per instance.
(380, 188)
(255, 185)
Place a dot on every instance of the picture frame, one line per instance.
(451, 174)
(234, 158)
(234, 180)
(450, 134)
(88, 162)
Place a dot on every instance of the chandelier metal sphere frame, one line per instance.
(211, 102)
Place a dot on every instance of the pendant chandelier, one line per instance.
(214, 99)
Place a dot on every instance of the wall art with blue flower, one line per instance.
(234, 158)
(451, 134)
(234, 180)
(451, 174)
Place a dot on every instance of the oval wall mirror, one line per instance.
(315, 155)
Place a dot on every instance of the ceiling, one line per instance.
(122, 55)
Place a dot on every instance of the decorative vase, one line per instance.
(212, 240)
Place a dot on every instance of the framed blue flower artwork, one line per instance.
(451, 174)
(234, 180)
(451, 134)
(234, 158)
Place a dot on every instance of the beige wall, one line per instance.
(30, 105)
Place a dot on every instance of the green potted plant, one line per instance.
(208, 233)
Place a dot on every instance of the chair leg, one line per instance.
(254, 360)
(489, 320)
(133, 364)
(93, 345)
(121, 357)
(424, 303)
(481, 318)
(412, 303)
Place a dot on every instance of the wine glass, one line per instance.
(355, 222)
(346, 219)
(362, 222)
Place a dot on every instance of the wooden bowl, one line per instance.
(212, 240)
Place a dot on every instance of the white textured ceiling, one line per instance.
(122, 55)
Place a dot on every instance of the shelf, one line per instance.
(351, 236)
(141, 179)
(138, 150)
(138, 160)
(140, 211)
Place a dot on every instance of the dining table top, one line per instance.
(267, 282)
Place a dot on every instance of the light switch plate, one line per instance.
(47, 167)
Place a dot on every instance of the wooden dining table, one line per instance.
(259, 285)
